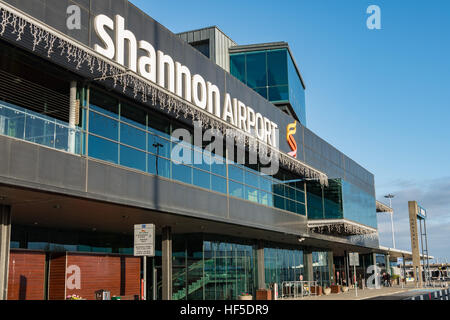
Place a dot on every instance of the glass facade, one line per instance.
(359, 206)
(273, 75)
(125, 135)
(24, 124)
(340, 200)
(282, 265)
(321, 268)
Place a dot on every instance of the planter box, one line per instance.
(335, 289)
(263, 294)
(316, 290)
(245, 297)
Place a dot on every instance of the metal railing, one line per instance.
(298, 289)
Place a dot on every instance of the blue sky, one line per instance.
(380, 96)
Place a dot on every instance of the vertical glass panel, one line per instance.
(262, 92)
(300, 208)
(236, 189)
(103, 126)
(235, 173)
(12, 122)
(296, 93)
(158, 166)
(237, 66)
(39, 130)
(104, 103)
(181, 173)
(62, 137)
(159, 146)
(103, 149)
(133, 137)
(202, 179)
(277, 67)
(133, 115)
(279, 202)
(159, 125)
(252, 179)
(218, 184)
(251, 194)
(256, 69)
(218, 166)
(280, 93)
(132, 158)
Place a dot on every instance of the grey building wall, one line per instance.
(219, 43)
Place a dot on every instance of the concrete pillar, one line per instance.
(5, 240)
(417, 268)
(167, 263)
(260, 262)
(308, 265)
(388, 264)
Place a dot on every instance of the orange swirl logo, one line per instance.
(291, 130)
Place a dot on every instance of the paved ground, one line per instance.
(389, 293)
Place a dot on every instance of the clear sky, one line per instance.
(380, 96)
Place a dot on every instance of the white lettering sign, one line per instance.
(160, 68)
(73, 282)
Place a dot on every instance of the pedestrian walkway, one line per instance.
(363, 294)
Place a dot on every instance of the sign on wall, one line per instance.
(354, 259)
(144, 240)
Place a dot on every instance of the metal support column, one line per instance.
(167, 263)
(5, 240)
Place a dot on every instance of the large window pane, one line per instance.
(251, 194)
(133, 115)
(235, 173)
(103, 149)
(181, 173)
(132, 158)
(262, 92)
(62, 137)
(159, 146)
(280, 93)
(202, 179)
(158, 166)
(39, 131)
(277, 68)
(132, 136)
(218, 166)
(103, 126)
(236, 189)
(12, 122)
(256, 70)
(237, 66)
(252, 179)
(104, 103)
(218, 184)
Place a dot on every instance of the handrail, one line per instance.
(293, 288)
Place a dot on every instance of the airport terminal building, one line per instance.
(89, 123)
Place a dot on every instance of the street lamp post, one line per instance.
(390, 196)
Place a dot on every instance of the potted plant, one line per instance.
(74, 297)
(245, 296)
